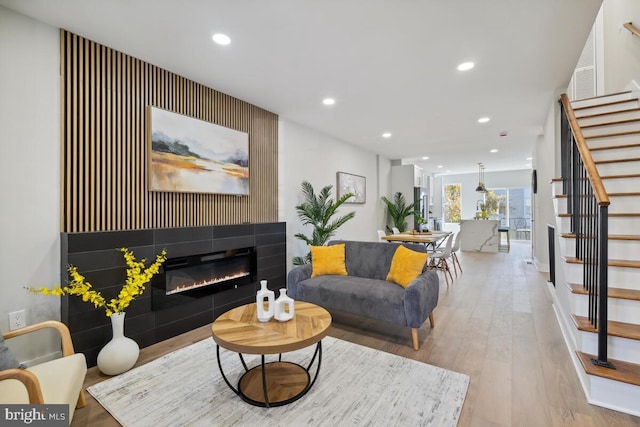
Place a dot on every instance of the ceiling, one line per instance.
(390, 65)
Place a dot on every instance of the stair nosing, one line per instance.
(625, 372)
(605, 135)
(616, 293)
(617, 122)
(604, 104)
(614, 328)
(615, 147)
(607, 113)
(627, 160)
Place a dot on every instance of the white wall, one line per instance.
(469, 182)
(308, 155)
(621, 55)
(29, 172)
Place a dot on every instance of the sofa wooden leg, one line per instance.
(414, 336)
(431, 322)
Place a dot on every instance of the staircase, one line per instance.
(610, 126)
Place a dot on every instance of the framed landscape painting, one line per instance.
(349, 183)
(194, 156)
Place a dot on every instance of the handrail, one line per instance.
(629, 26)
(589, 164)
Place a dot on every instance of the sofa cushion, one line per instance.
(7, 359)
(328, 260)
(406, 266)
(357, 295)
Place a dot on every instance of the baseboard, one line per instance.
(541, 266)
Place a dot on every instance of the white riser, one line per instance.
(622, 185)
(623, 225)
(619, 277)
(560, 205)
(615, 128)
(618, 249)
(617, 348)
(556, 188)
(616, 154)
(605, 108)
(625, 115)
(563, 224)
(579, 103)
(620, 310)
(613, 140)
(624, 204)
(618, 168)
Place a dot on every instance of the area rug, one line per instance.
(356, 386)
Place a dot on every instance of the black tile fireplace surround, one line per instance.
(95, 255)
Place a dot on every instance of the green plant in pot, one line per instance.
(399, 210)
(318, 210)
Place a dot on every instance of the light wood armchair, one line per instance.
(56, 381)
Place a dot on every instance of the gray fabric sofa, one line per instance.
(365, 291)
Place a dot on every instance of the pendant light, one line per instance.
(481, 188)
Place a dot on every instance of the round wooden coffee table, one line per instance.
(275, 383)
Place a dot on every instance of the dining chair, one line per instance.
(395, 230)
(381, 234)
(454, 256)
(438, 260)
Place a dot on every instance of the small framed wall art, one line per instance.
(349, 183)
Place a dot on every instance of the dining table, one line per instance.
(428, 238)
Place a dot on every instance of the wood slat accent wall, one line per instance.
(104, 178)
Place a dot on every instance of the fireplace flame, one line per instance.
(196, 285)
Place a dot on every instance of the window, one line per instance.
(452, 203)
(512, 206)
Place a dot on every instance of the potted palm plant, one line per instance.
(399, 210)
(318, 210)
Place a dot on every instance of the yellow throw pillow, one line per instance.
(328, 260)
(406, 265)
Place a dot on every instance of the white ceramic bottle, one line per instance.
(265, 314)
(284, 309)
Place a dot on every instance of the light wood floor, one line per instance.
(494, 323)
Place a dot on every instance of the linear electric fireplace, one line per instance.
(195, 276)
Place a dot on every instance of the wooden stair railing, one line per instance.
(588, 204)
(629, 26)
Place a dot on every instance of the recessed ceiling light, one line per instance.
(483, 120)
(222, 39)
(328, 101)
(493, 150)
(448, 171)
(425, 158)
(440, 166)
(466, 66)
(529, 158)
(386, 135)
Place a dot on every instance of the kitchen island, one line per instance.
(480, 235)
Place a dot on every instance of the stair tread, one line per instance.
(611, 263)
(625, 372)
(611, 236)
(616, 122)
(615, 147)
(604, 104)
(625, 160)
(628, 194)
(605, 135)
(618, 293)
(608, 113)
(614, 328)
(615, 215)
(629, 175)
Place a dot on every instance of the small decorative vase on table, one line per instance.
(121, 353)
(264, 295)
(284, 307)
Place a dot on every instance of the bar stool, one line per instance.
(504, 230)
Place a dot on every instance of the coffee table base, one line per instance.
(274, 383)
